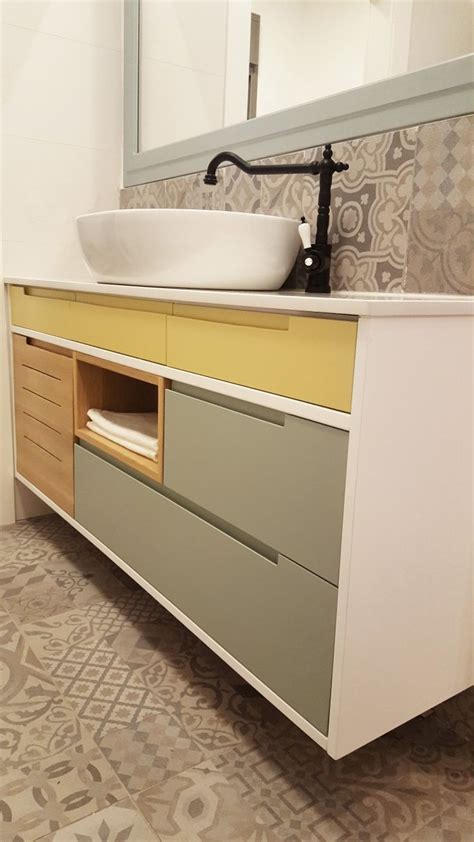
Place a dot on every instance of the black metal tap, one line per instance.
(317, 260)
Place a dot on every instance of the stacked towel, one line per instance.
(134, 430)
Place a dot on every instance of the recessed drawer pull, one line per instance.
(53, 456)
(43, 397)
(41, 371)
(43, 423)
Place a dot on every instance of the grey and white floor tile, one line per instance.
(117, 724)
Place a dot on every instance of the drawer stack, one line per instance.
(243, 537)
(271, 614)
(43, 388)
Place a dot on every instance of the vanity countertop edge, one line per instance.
(289, 301)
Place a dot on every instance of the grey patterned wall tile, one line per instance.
(440, 254)
(375, 246)
(444, 165)
(152, 195)
(290, 195)
(189, 191)
(242, 191)
(370, 211)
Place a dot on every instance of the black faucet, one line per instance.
(317, 260)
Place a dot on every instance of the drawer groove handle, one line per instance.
(39, 371)
(38, 421)
(37, 395)
(42, 448)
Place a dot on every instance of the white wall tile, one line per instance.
(60, 90)
(45, 187)
(92, 21)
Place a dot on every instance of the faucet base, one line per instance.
(318, 275)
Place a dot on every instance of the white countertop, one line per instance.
(289, 301)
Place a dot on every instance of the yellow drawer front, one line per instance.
(310, 359)
(116, 324)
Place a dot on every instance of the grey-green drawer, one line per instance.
(276, 618)
(281, 479)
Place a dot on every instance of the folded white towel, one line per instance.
(150, 453)
(138, 428)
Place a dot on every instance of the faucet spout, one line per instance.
(256, 169)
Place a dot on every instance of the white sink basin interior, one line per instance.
(189, 248)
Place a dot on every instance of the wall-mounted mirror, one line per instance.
(199, 69)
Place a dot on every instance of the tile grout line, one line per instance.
(410, 211)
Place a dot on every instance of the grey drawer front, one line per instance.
(282, 480)
(275, 618)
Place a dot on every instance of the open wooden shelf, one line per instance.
(101, 384)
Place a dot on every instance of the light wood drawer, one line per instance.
(44, 420)
(278, 478)
(116, 324)
(274, 617)
(310, 359)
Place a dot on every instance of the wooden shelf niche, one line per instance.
(100, 384)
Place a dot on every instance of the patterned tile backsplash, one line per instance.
(402, 216)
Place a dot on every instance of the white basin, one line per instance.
(189, 248)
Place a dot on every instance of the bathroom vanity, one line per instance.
(310, 514)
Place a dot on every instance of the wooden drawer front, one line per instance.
(311, 359)
(281, 480)
(44, 420)
(275, 618)
(103, 321)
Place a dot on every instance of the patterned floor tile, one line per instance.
(110, 616)
(458, 713)
(150, 751)
(105, 692)
(19, 574)
(387, 790)
(35, 719)
(209, 707)
(35, 601)
(43, 797)
(142, 643)
(52, 573)
(83, 586)
(204, 755)
(456, 824)
(200, 806)
(119, 823)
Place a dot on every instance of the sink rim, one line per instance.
(186, 211)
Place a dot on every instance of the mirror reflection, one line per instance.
(206, 64)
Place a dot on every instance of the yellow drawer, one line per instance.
(302, 357)
(118, 324)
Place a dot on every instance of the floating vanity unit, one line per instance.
(309, 514)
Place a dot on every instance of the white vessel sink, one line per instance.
(189, 248)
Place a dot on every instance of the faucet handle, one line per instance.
(304, 230)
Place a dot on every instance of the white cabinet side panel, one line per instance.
(404, 638)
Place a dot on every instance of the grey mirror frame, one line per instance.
(435, 93)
